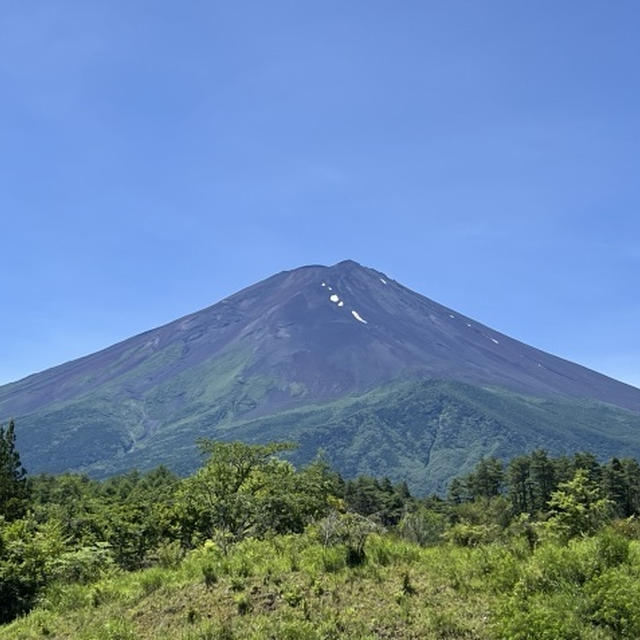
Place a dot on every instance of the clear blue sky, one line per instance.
(157, 156)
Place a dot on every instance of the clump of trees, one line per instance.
(70, 527)
(529, 482)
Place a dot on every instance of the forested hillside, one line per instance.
(251, 547)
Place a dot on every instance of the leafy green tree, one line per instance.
(423, 526)
(13, 476)
(223, 496)
(290, 499)
(578, 507)
(28, 555)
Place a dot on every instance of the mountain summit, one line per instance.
(302, 355)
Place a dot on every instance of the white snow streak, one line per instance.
(357, 316)
(383, 281)
(451, 315)
(341, 303)
(334, 298)
(494, 340)
(324, 284)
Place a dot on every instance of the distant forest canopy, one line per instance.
(70, 528)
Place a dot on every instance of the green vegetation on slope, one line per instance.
(426, 433)
(421, 432)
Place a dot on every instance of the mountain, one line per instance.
(340, 358)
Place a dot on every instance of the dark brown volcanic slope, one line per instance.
(299, 338)
(290, 329)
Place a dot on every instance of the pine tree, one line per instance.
(616, 488)
(518, 485)
(13, 476)
(541, 479)
(632, 477)
(486, 479)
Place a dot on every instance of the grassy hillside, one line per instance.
(248, 547)
(293, 587)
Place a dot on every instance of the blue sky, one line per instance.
(157, 156)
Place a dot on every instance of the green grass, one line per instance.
(289, 587)
(293, 587)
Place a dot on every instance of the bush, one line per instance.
(210, 575)
(243, 604)
(169, 554)
(539, 618)
(349, 529)
(83, 565)
(423, 527)
(465, 534)
(612, 548)
(151, 580)
(554, 567)
(613, 602)
(28, 554)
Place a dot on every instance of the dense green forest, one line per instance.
(251, 547)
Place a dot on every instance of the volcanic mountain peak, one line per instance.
(326, 330)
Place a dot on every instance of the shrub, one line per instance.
(613, 602)
(612, 548)
(423, 526)
(333, 560)
(243, 604)
(150, 581)
(539, 618)
(349, 529)
(209, 574)
(84, 565)
(465, 534)
(169, 554)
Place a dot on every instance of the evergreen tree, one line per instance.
(486, 479)
(632, 477)
(588, 462)
(13, 476)
(518, 485)
(541, 479)
(615, 487)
